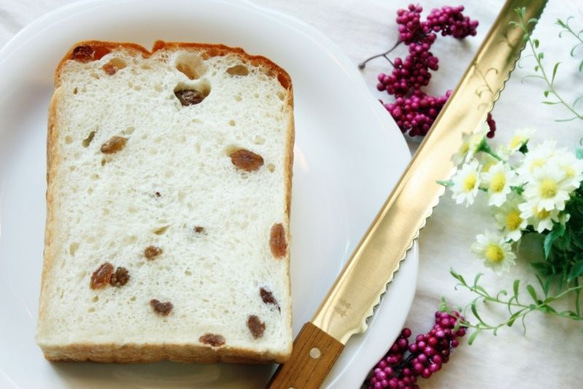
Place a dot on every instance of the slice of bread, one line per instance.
(169, 184)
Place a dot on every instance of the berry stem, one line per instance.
(362, 65)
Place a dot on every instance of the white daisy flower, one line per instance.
(520, 138)
(572, 167)
(547, 188)
(494, 251)
(540, 219)
(486, 161)
(499, 179)
(536, 158)
(509, 218)
(471, 144)
(465, 183)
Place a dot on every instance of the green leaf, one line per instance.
(474, 310)
(515, 287)
(477, 278)
(536, 43)
(473, 337)
(447, 183)
(555, 68)
(513, 318)
(576, 271)
(579, 153)
(532, 293)
(557, 232)
(541, 56)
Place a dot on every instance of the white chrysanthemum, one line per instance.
(547, 188)
(572, 167)
(520, 138)
(466, 183)
(536, 158)
(540, 219)
(509, 218)
(499, 179)
(470, 145)
(494, 251)
(486, 161)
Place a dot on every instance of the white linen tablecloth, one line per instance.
(549, 355)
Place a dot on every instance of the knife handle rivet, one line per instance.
(315, 353)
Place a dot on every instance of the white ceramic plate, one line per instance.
(349, 154)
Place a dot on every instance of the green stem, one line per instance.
(550, 84)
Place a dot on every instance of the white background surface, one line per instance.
(549, 354)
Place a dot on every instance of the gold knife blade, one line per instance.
(362, 282)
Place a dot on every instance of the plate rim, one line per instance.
(28, 32)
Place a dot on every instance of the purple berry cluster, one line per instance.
(414, 110)
(406, 361)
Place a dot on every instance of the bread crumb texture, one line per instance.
(141, 177)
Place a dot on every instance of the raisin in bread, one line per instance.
(169, 182)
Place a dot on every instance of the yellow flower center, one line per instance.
(487, 167)
(465, 148)
(494, 253)
(513, 220)
(498, 183)
(536, 163)
(470, 182)
(569, 172)
(548, 188)
(542, 214)
(516, 141)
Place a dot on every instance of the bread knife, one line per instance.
(364, 279)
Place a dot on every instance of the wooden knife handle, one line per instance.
(314, 353)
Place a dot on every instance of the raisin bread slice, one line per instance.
(169, 184)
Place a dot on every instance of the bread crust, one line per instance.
(144, 353)
(134, 353)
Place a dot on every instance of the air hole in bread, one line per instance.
(238, 70)
(113, 65)
(87, 141)
(89, 190)
(238, 98)
(137, 87)
(95, 299)
(75, 90)
(187, 273)
(158, 88)
(271, 167)
(68, 139)
(191, 65)
(129, 131)
(160, 230)
(73, 248)
(280, 95)
(258, 140)
(232, 123)
(94, 75)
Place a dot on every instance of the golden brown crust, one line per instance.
(134, 353)
(212, 50)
